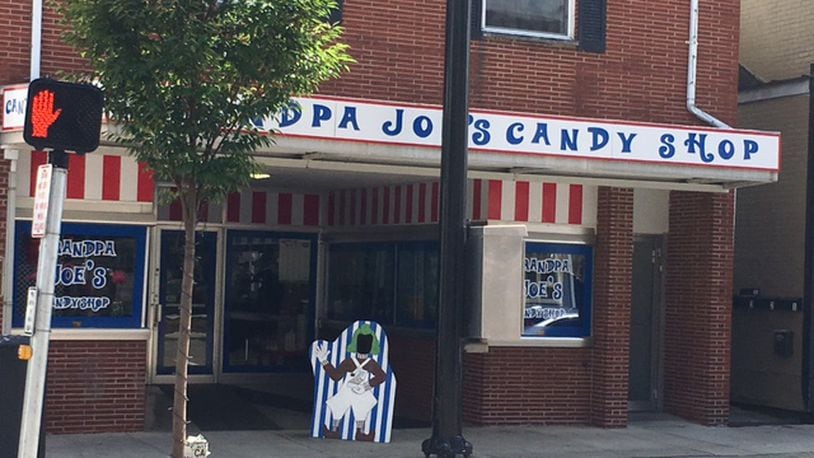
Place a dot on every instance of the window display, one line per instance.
(389, 282)
(557, 290)
(99, 278)
(269, 297)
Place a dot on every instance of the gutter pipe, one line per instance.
(11, 156)
(692, 72)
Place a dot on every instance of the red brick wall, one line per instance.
(15, 34)
(613, 275)
(96, 386)
(698, 307)
(516, 385)
(399, 44)
(4, 170)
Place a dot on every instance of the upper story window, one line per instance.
(535, 18)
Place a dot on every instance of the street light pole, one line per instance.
(447, 439)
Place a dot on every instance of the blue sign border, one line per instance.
(22, 231)
(587, 308)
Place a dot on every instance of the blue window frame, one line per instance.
(557, 290)
(100, 275)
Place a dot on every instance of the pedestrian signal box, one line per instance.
(63, 116)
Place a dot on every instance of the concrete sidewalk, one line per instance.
(663, 438)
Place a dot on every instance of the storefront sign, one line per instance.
(556, 290)
(354, 385)
(14, 100)
(508, 133)
(534, 135)
(99, 274)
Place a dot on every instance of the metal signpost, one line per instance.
(61, 116)
(447, 439)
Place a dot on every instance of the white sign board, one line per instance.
(30, 311)
(530, 134)
(14, 100)
(41, 197)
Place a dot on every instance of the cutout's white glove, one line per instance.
(321, 352)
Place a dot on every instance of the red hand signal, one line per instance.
(43, 115)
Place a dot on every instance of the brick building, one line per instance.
(772, 221)
(600, 210)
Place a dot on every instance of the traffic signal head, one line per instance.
(63, 116)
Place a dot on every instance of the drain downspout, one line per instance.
(692, 72)
(11, 156)
(8, 260)
(36, 38)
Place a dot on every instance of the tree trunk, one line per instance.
(189, 205)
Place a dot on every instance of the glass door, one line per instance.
(268, 315)
(203, 301)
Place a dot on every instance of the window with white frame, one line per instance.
(536, 18)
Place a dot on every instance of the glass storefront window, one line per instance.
(557, 290)
(268, 301)
(100, 275)
(389, 282)
(417, 294)
(361, 279)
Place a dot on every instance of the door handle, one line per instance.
(157, 308)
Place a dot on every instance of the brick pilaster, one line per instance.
(698, 307)
(611, 314)
(4, 170)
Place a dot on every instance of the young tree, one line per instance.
(183, 79)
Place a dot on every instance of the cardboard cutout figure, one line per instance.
(354, 386)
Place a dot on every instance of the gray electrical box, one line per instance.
(12, 390)
(783, 342)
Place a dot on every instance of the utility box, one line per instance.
(783, 342)
(12, 390)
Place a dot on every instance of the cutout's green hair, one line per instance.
(364, 329)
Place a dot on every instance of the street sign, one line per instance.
(63, 116)
(42, 195)
(30, 311)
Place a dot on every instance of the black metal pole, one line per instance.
(808, 281)
(447, 439)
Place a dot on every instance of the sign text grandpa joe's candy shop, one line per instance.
(535, 135)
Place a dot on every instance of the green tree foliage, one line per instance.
(183, 79)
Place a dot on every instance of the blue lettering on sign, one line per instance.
(410, 124)
(422, 126)
(321, 113)
(750, 147)
(627, 141)
(541, 134)
(392, 128)
(290, 115)
(695, 141)
(511, 136)
(15, 106)
(667, 150)
(349, 117)
(726, 149)
(599, 138)
(481, 136)
(569, 141)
